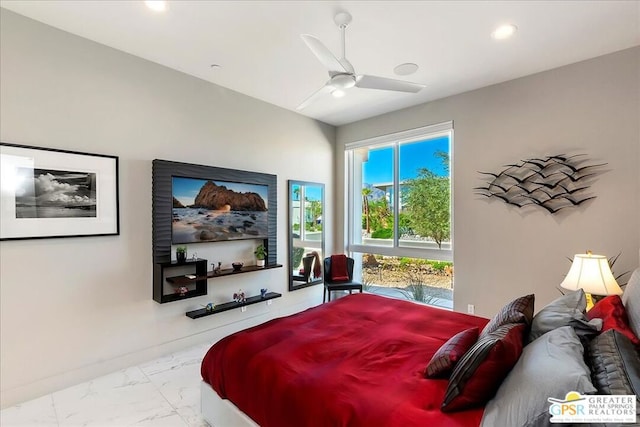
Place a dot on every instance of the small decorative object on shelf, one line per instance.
(182, 290)
(210, 306)
(216, 270)
(260, 253)
(237, 266)
(181, 254)
(194, 257)
(263, 292)
(239, 296)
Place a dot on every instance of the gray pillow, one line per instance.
(631, 301)
(568, 310)
(551, 366)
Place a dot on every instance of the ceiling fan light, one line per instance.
(343, 81)
(338, 93)
(504, 32)
(156, 5)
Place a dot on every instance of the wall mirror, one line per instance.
(306, 234)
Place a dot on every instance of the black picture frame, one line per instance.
(53, 193)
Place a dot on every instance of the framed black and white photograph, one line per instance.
(57, 193)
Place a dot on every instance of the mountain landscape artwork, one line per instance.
(209, 211)
(47, 193)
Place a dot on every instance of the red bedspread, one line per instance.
(357, 361)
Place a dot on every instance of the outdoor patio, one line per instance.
(427, 282)
(439, 297)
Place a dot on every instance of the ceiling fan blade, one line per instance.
(325, 56)
(326, 89)
(374, 82)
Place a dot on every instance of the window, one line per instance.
(399, 208)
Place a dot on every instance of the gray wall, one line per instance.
(502, 252)
(73, 309)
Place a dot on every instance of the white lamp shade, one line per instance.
(592, 274)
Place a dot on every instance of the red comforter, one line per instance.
(357, 361)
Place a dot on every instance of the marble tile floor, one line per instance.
(162, 392)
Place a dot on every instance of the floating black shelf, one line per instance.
(184, 280)
(199, 270)
(197, 266)
(195, 314)
(188, 261)
(178, 296)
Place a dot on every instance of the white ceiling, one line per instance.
(258, 44)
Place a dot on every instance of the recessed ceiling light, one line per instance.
(156, 5)
(406, 69)
(504, 31)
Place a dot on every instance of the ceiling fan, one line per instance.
(342, 75)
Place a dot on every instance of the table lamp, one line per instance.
(592, 274)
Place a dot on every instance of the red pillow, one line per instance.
(614, 316)
(477, 376)
(339, 269)
(449, 353)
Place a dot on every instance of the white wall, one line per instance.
(73, 309)
(502, 252)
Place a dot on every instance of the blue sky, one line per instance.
(311, 193)
(413, 156)
(186, 189)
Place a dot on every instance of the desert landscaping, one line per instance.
(416, 279)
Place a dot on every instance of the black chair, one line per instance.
(348, 285)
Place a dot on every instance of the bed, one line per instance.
(361, 361)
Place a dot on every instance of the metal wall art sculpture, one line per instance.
(552, 183)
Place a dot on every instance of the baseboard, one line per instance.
(53, 383)
(22, 393)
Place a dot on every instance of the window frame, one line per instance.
(352, 202)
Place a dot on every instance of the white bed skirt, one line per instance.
(220, 412)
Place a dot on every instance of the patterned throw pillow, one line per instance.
(614, 316)
(520, 310)
(479, 373)
(450, 352)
